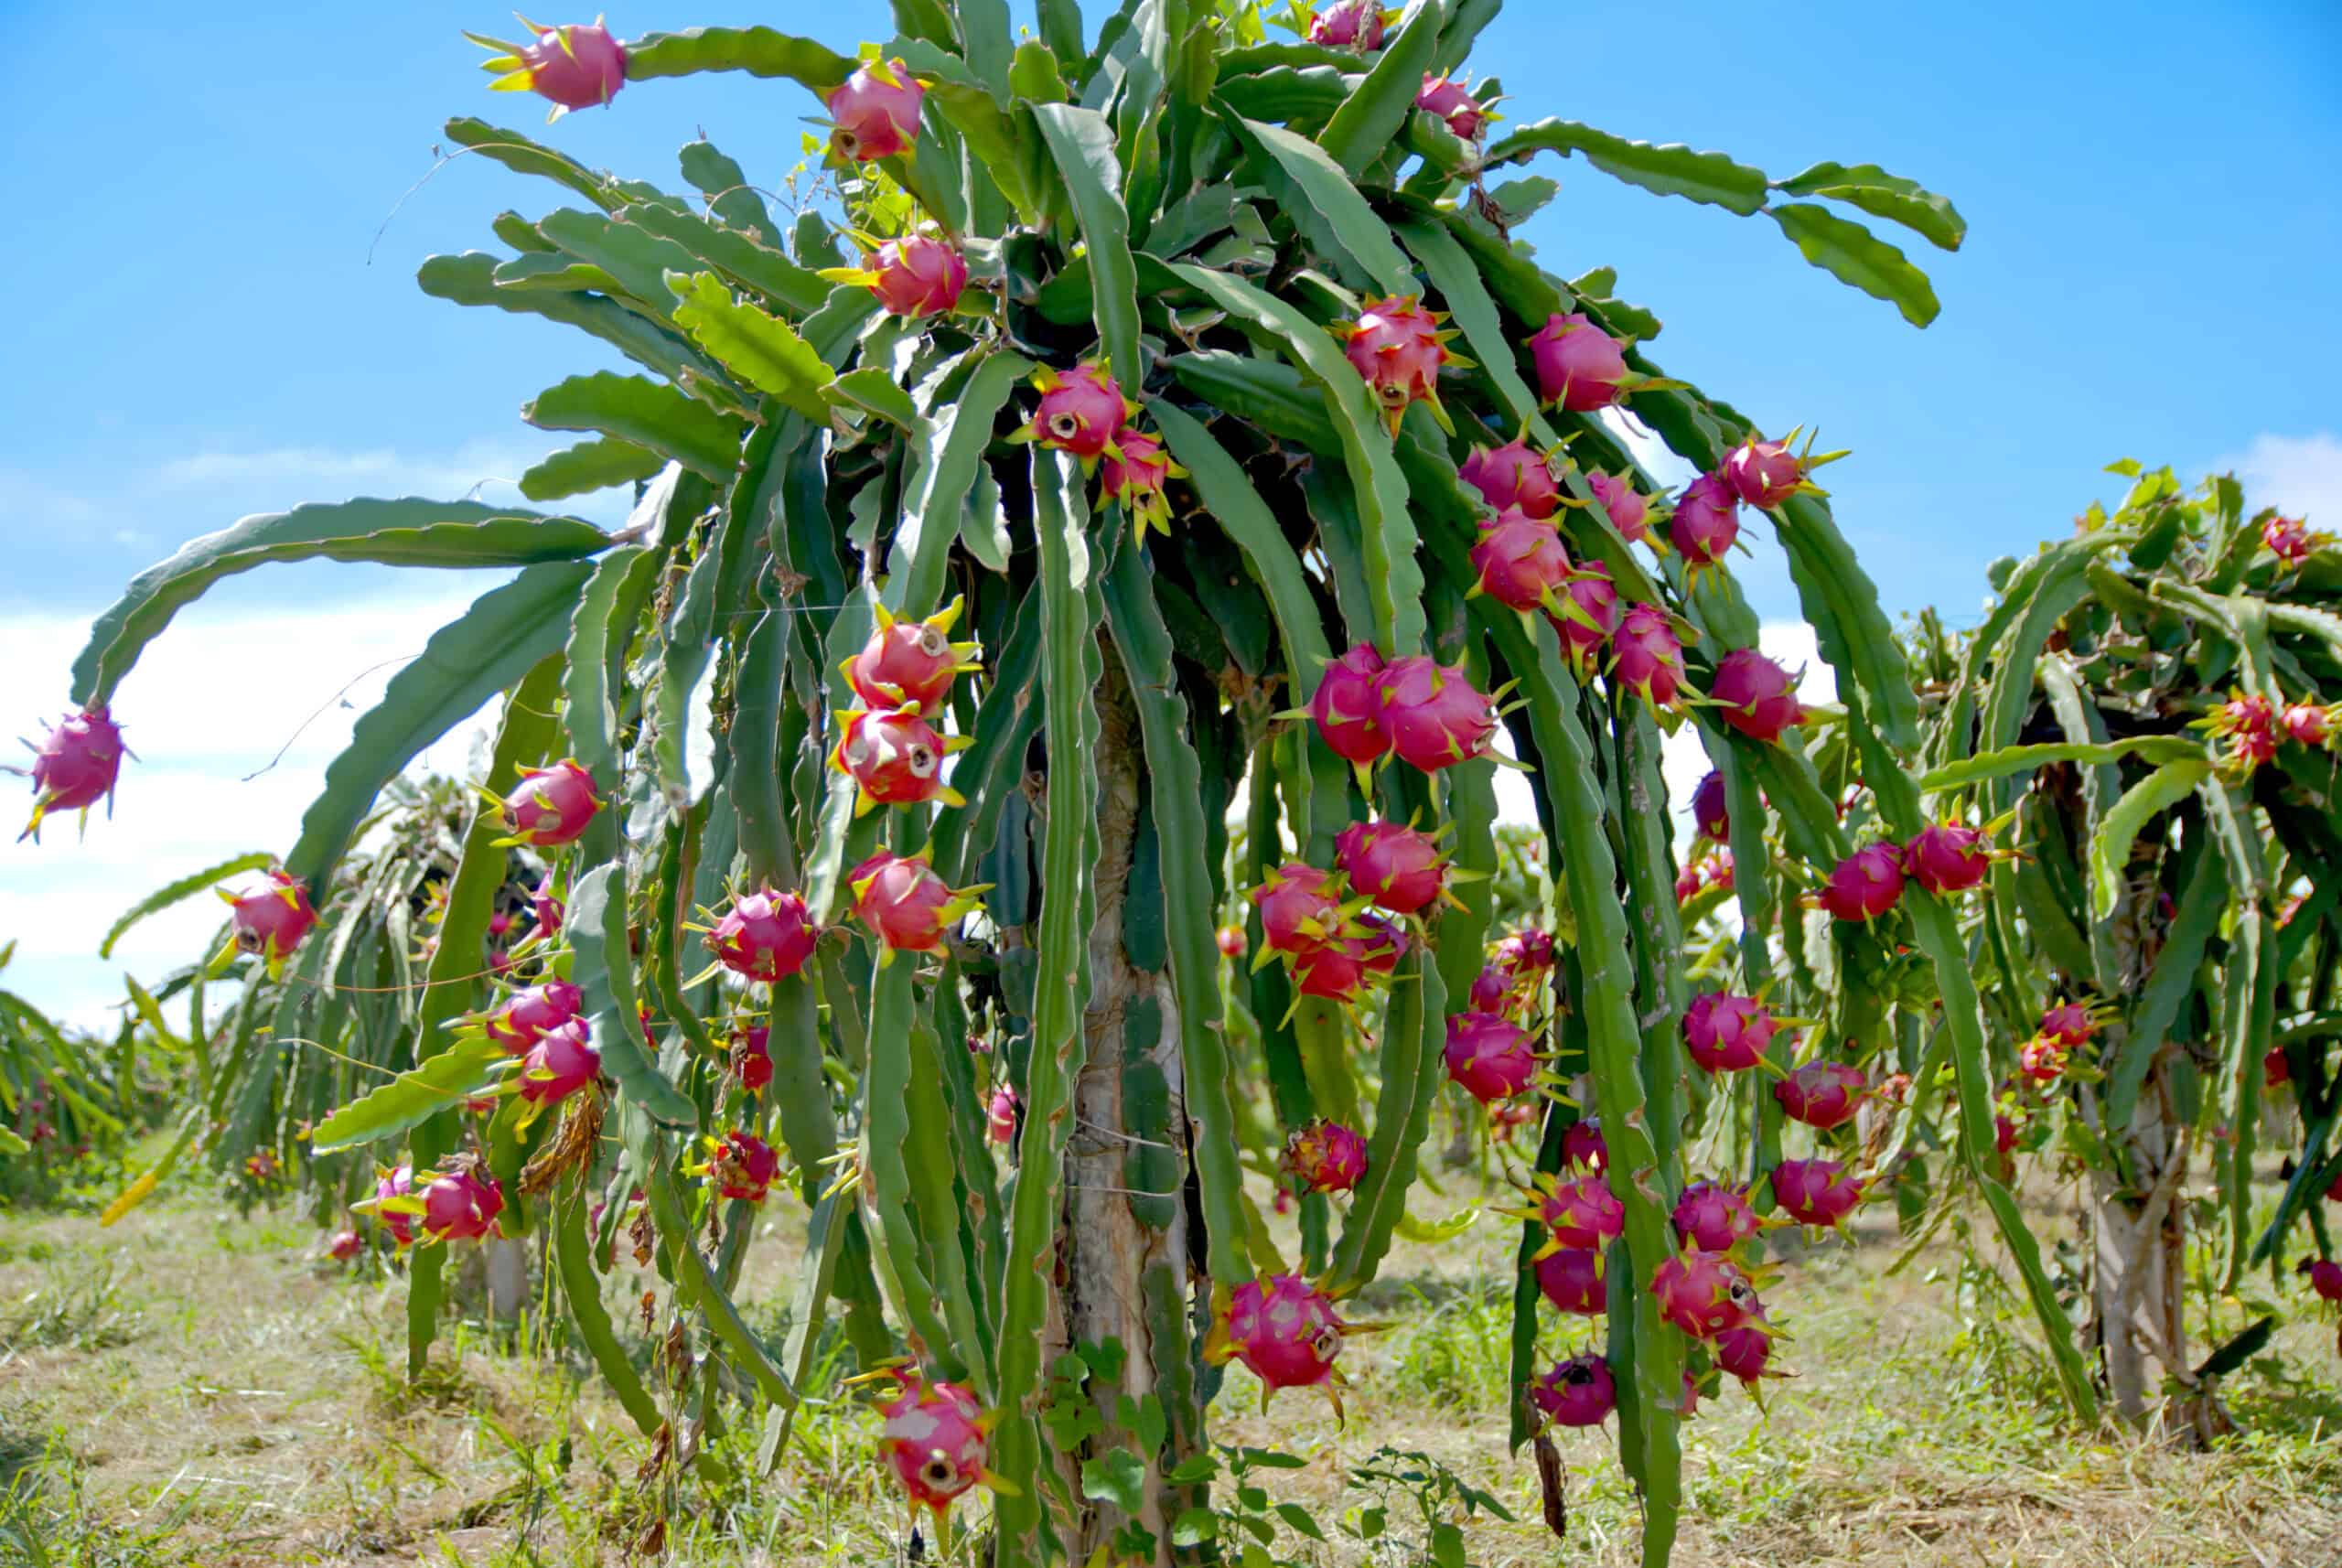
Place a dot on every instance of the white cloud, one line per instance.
(2302, 474)
(282, 474)
(1644, 445)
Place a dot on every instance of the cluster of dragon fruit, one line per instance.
(1340, 929)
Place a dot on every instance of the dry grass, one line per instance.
(186, 1390)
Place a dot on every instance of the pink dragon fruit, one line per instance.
(1580, 1211)
(1383, 943)
(1349, 25)
(744, 1167)
(270, 920)
(1864, 885)
(75, 766)
(550, 913)
(1491, 1057)
(2004, 1134)
(1715, 1216)
(1583, 1148)
(2275, 1070)
(345, 1245)
(562, 1062)
(524, 1016)
(2289, 540)
(498, 924)
(1082, 410)
(1337, 970)
(1579, 365)
(1764, 473)
(1435, 715)
(2069, 1024)
(2249, 722)
(1579, 1391)
(1571, 1278)
(1230, 940)
(904, 905)
(750, 1058)
(1703, 1294)
(552, 806)
(1520, 560)
(1947, 858)
(1593, 601)
(1743, 1351)
(910, 663)
(1325, 1156)
(1398, 867)
(1492, 990)
(1452, 101)
(765, 936)
(1706, 521)
(1135, 476)
(1526, 951)
(1724, 1033)
(461, 1206)
(875, 112)
(575, 67)
(1688, 884)
(1646, 658)
(1756, 697)
(1815, 1192)
(1348, 708)
(937, 1440)
(1513, 474)
(1628, 508)
(896, 759)
(1711, 810)
(1398, 347)
(2325, 1278)
(917, 275)
(1285, 1330)
(1823, 1094)
(390, 1187)
(2043, 1059)
(2309, 725)
(1002, 1113)
(1300, 909)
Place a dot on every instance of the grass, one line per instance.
(191, 1390)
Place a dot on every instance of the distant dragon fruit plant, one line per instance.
(1258, 471)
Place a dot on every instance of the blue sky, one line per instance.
(206, 323)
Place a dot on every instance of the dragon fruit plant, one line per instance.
(1004, 592)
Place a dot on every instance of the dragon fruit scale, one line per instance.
(1434, 714)
(1578, 1210)
(1514, 475)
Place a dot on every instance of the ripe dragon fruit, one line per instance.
(1815, 1192)
(1571, 1278)
(1383, 943)
(1579, 1391)
(1590, 617)
(2069, 1024)
(1579, 365)
(1742, 1351)
(1711, 810)
(2288, 539)
(1756, 697)
(2043, 1059)
(1135, 476)
(1583, 1148)
(2004, 1134)
(1002, 1113)
(1724, 1033)
(1706, 521)
(1082, 410)
(461, 1206)
(2249, 723)
(390, 1187)
(1453, 102)
(1231, 941)
(742, 1166)
(1434, 714)
(1646, 658)
(1579, 1210)
(1349, 25)
(749, 1058)
(345, 1245)
(910, 663)
(562, 1062)
(75, 766)
(1628, 508)
(904, 905)
(1392, 863)
(1764, 473)
(895, 758)
(2310, 724)
(1525, 952)
(1325, 1156)
(1521, 561)
(1689, 882)
(2325, 1278)
(2275, 1070)
(552, 806)
(937, 1440)
(1285, 1330)
(1864, 885)
(269, 920)
(1491, 1057)
(1823, 1094)
(1398, 347)
(1513, 474)
(1337, 970)
(915, 276)
(1300, 909)
(575, 67)
(524, 1016)
(874, 113)
(1703, 1294)
(1348, 709)
(1947, 858)
(551, 914)
(1492, 990)
(765, 935)
(1715, 1216)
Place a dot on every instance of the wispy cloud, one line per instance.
(2301, 474)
